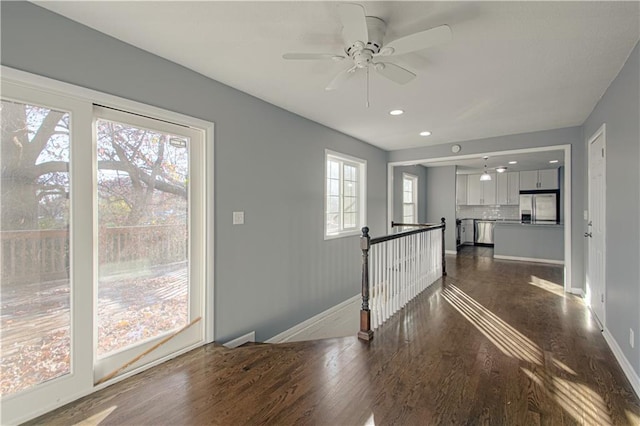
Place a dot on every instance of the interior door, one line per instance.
(595, 235)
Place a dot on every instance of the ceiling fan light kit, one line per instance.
(363, 37)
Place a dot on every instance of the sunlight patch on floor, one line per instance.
(96, 419)
(370, 421)
(578, 400)
(634, 419)
(546, 285)
(506, 338)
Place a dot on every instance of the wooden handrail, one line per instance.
(366, 242)
(423, 228)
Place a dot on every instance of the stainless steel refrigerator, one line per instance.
(539, 207)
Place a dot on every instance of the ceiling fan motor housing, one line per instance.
(362, 53)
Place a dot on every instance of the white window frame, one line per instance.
(30, 88)
(414, 204)
(361, 166)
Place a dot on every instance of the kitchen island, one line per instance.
(532, 242)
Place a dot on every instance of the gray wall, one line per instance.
(570, 135)
(545, 242)
(619, 109)
(276, 270)
(441, 200)
(416, 170)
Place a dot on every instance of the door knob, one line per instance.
(587, 234)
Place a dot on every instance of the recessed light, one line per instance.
(396, 112)
(513, 162)
(425, 133)
(501, 169)
(553, 161)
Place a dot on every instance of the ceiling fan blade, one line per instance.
(354, 22)
(313, 56)
(342, 77)
(394, 73)
(418, 41)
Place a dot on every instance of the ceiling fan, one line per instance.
(363, 37)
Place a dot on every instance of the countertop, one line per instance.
(520, 223)
(515, 222)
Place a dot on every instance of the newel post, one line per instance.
(444, 262)
(365, 332)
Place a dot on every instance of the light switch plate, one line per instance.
(238, 218)
(586, 215)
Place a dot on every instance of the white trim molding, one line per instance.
(239, 341)
(577, 291)
(628, 370)
(528, 259)
(300, 330)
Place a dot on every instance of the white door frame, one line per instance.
(568, 283)
(602, 131)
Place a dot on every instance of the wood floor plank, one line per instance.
(495, 343)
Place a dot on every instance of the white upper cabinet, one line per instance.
(480, 193)
(461, 190)
(508, 188)
(539, 179)
(548, 179)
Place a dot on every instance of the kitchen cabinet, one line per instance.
(481, 193)
(461, 190)
(466, 233)
(508, 188)
(538, 179)
(548, 179)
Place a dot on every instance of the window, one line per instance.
(409, 198)
(345, 199)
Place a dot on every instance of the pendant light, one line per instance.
(485, 176)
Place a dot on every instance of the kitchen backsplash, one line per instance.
(488, 212)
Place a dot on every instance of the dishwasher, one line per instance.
(484, 232)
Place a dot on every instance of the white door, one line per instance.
(595, 234)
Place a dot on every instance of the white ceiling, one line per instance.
(512, 67)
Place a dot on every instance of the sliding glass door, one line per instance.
(102, 245)
(148, 284)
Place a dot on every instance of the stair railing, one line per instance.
(396, 268)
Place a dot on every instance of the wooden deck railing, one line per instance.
(396, 268)
(43, 255)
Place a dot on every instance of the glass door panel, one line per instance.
(35, 285)
(143, 235)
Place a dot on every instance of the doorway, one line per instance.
(565, 202)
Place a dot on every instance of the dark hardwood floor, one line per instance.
(495, 342)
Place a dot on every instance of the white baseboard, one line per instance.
(528, 259)
(623, 361)
(299, 329)
(454, 252)
(577, 292)
(249, 337)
